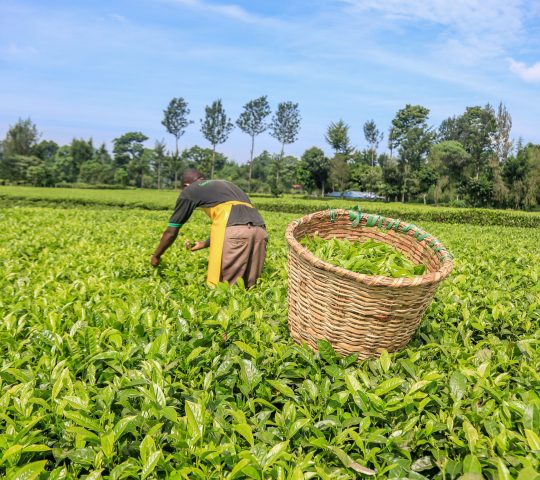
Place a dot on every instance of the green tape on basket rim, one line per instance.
(408, 227)
(332, 214)
(355, 217)
(390, 224)
(372, 220)
(376, 220)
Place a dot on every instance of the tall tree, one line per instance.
(175, 119)
(21, 138)
(285, 124)
(474, 130)
(412, 136)
(337, 136)
(159, 160)
(373, 138)
(452, 163)
(522, 175)
(141, 165)
(314, 169)
(216, 127)
(82, 151)
(500, 138)
(339, 172)
(46, 149)
(252, 122)
(202, 159)
(128, 147)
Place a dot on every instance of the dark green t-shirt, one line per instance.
(209, 193)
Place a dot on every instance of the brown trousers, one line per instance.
(244, 251)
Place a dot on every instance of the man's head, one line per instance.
(191, 175)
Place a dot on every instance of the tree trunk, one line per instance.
(251, 162)
(425, 199)
(159, 177)
(213, 161)
(176, 166)
(322, 190)
(277, 166)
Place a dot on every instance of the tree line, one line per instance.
(469, 159)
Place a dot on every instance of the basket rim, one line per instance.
(373, 280)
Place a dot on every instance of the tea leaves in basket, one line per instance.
(369, 257)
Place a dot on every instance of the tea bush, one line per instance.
(111, 369)
(162, 200)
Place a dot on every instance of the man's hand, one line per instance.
(154, 261)
(197, 246)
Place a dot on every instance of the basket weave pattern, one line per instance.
(359, 313)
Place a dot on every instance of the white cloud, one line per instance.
(529, 74)
(16, 50)
(118, 18)
(231, 11)
(471, 30)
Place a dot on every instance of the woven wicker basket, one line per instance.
(359, 313)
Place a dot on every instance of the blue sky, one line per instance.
(101, 68)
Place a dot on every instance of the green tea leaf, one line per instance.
(458, 385)
(471, 464)
(245, 430)
(238, 468)
(388, 386)
(29, 471)
(194, 413)
(107, 444)
(471, 434)
(273, 455)
(246, 348)
(502, 470)
(532, 439)
(282, 388)
(349, 462)
(150, 463)
(326, 351)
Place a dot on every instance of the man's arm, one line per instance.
(198, 245)
(167, 239)
(182, 211)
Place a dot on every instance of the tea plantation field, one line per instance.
(111, 369)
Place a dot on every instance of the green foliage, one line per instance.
(21, 138)
(337, 136)
(314, 169)
(472, 163)
(154, 200)
(252, 121)
(110, 369)
(129, 147)
(252, 118)
(369, 257)
(411, 135)
(339, 172)
(373, 137)
(216, 128)
(474, 129)
(175, 118)
(285, 123)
